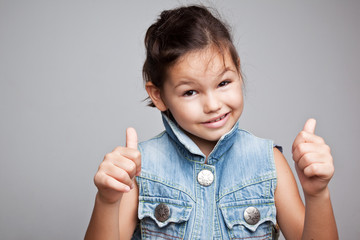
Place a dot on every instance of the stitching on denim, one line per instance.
(186, 206)
(242, 222)
(178, 196)
(270, 230)
(184, 230)
(168, 221)
(142, 230)
(198, 204)
(218, 218)
(191, 160)
(156, 179)
(271, 217)
(271, 154)
(146, 188)
(213, 202)
(266, 237)
(149, 234)
(228, 231)
(267, 176)
(195, 208)
(155, 232)
(245, 205)
(143, 184)
(272, 162)
(268, 185)
(259, 180)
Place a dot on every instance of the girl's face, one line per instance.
(203, 91)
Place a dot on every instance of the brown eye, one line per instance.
(224, 83)
(189, 93)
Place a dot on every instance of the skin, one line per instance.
(204, 94)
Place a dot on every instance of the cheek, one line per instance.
(235, 99)
(186, 113)
(187, 110)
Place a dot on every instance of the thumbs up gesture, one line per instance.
(116, 173)
(313, 160)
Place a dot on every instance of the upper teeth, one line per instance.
(218, 119)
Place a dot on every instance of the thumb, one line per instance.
(310, 125)
(131, 138)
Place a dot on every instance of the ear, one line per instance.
(155, 96)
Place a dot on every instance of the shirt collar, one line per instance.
(191, 150)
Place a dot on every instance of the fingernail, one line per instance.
(127, 188)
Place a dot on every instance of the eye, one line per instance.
(189, 93)
(224, 83)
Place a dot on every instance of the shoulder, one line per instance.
(155, 143)
(249, 136)
(248, 140)
(156, 152)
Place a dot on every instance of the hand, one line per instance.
(313, 160)
(116, 173)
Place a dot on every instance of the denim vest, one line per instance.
(174, 205)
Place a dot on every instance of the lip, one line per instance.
(214, 123)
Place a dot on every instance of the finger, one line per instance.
(306, 137)
(131, 138)
(308, 159)
(128, 165)
(132, 142)
(129, 153)
(310, 125)
(321, 170)
(107, 182)
(120, 175)
(304, 148)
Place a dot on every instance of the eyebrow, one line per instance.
(188, 82)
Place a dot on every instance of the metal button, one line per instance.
(205, 177)
(252, 215)
(162, 212)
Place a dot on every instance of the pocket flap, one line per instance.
(177, 211)
(233, 212)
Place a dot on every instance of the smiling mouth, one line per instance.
(218, 119)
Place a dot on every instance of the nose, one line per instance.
(211, 103)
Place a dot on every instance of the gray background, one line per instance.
(70, 83)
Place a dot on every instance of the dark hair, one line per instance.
(179, 31)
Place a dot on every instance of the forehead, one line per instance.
(204, 63)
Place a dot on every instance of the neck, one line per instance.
(205, 146)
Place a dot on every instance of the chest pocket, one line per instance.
(163, 218)
(254, 219)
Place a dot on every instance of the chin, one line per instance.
(213, 138)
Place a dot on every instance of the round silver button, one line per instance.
(162, 212)
(205, 177)
(252, 215)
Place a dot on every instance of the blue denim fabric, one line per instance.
(244, 176)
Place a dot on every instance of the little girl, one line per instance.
(204, 177)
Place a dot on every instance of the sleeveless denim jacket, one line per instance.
(244, 177)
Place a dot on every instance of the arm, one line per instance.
(290, 210)
(315, 168)
(114, 220)
(115, 211)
